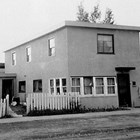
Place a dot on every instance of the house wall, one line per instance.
(83, 59)
(42, 66)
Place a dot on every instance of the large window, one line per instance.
(58, 86)
(28, 54)
(14, 58)
(22, 86)
(51, 43)
(95, 86)
(105, 44)
(37, 85)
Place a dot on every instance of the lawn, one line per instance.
(119, 127)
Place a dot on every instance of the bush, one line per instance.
(76, 110)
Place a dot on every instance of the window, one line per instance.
(99, 86)
(64, 85)
(58, 86)
(37, 85)
(14, 58)
(105, 86)
(88, 84)
(22, 87)
(51, 43)
(111, 85)
(105, 44)
(75, 85)
(28, 54)
(52, 86)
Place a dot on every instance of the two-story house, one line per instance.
(100, 61)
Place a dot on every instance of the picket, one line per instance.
(43, 101)
(4, 106)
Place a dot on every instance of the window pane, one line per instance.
(52, 90)
(88, 85)
(99, 90)
(75, 81)
(51, 82)
(52, 42)
(111, 90)
(57, 82)
(99, 81)
(64, 82)
(110, 81)
(22, 87)
(37, 86)
(64, 89)
(105, 44)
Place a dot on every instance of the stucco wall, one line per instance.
(42, 66)
(83, 59)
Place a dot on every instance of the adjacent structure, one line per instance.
(100, 61)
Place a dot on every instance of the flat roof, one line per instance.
(83, 25)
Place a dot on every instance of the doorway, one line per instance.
(124, 90)
(7, 88)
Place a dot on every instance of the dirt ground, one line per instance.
(115, 127)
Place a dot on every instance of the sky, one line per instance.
(22, 20)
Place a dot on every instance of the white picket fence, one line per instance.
(4, 106)
(43, 101)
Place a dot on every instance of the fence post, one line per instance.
(0, 108)
(7, 104)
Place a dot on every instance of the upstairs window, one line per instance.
(37, 85)
(51, 43)
(105, 44)
(28, 54)
(14, 58)
(22, 86)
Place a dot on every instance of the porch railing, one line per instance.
(4, 106)
(43, 101)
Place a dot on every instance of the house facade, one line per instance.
(101, 62)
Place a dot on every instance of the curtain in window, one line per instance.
(99, 86)
(111, 85)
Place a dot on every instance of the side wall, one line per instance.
(84, 60)
(42, 66)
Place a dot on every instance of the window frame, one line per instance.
(40, 91)
(60, 86)
(51, 48)
(28, 55)
(113, 50)
(19, 87)
(13, 59)
(105, 86)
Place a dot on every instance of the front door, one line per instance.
(7, 88)
(124, 90)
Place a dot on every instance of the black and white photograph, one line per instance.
(70, 70)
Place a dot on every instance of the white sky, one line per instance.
(22, 20)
